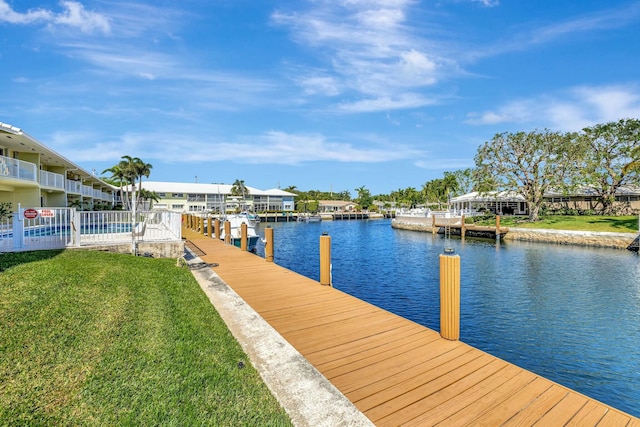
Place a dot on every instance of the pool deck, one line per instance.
(395, 371)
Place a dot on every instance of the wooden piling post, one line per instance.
(227, 232)
(450, 296)
(463, 229)
(216, 228)
(268, 247)
(244, 236)
(497, 228)
(325, 259)
(209, 228)
(201, 224)
(433, 224)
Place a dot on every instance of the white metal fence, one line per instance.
(54, 228)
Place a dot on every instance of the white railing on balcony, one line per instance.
(73, 186)
(52, 228)
(87, 190)
(50, 179)
(14, 168)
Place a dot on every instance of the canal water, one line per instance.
(568, 313)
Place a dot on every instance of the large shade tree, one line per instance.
(529, 164)
(611, 159)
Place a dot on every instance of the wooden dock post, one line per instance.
(433, 224)
(463, 229)
(497, 228)
(216, 228)
(201, 224)
(450, 295)
(243, 237)
(325, 259)
(209, 228)
(227, 232)
(268, 246)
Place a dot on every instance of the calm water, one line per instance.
(570, 314)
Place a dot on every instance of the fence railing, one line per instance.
(52, 228)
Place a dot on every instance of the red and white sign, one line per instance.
(30, 213)
(47, 213)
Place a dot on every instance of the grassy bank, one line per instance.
(615, 224)
(91, 338)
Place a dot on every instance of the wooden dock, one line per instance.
(395, 371)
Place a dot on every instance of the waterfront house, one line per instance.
(335, 206)
(510, 203)
(33, 175)
(187, 197)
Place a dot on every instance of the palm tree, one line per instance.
(132, 170)
(142, 169)
(118, 178)
(239, 189)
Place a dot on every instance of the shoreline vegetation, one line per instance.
(110, 339)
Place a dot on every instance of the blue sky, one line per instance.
(325, 95)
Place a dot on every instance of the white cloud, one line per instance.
(367, 48)
(570, 110)
(74, 15)
(601, 20)
(402, 101)
(7, 14)
(273, 147)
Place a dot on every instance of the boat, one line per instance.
(309, 218)
(236, 221)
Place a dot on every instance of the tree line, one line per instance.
(602, 158)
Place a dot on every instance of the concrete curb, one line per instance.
(306, 395)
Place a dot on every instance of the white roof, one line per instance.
(202, 188)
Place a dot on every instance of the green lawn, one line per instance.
(93, 338)
(619, 224)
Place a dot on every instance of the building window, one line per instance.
(162, 194)
(177, 206)
(177, 195)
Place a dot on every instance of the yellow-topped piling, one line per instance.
(243, 236)
(227, 232)
(268, 247)
(325, 259)
(450, 296)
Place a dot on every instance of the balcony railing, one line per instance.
(14, 168)
(73, 186)
(87, 191)
(50, 179)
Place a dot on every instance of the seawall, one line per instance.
(562, 237)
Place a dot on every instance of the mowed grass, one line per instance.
(616, 224)
(92, 338)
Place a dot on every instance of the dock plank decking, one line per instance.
(395, 371)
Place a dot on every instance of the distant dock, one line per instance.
(326, 216)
